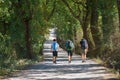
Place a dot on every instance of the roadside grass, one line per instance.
(112, 70)
(17, 66)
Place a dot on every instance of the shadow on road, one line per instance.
(76, 70)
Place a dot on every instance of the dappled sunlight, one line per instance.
(52, 34)
(76, 70)
(65, 71)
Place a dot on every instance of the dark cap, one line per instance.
(54, 39)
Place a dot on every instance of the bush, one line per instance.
(111, 53)
(7, 54)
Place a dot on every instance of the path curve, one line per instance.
(76, 70)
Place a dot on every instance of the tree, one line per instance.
(94, 26)
(24, 13)
(107, 13)
(82, 14)
(118, 6)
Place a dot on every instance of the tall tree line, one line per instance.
(24, 27)
(95, 20)
(25, 23)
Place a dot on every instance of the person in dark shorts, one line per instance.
(54, 48)
(69, 47)
(84, 48)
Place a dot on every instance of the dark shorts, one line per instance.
(55, 53)
(69, 53)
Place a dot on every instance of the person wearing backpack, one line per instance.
(84, 48)
(54, 48)
(69, 47)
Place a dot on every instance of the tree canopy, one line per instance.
(24, 25)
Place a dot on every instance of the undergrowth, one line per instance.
(18, 65)
(110, 69)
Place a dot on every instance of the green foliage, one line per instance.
(64, 21)
(7, 54)
(72, 22)
(4, 9)
(13, 14)
(107, 9)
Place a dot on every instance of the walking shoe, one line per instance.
(83, 61)
(54, 62)
(69, 61)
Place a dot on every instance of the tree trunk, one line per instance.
(94, 27)
(107, 10)
(75, 38)
(84, 22)
(94, 23)
(25, 15)
(85, 25)
(107, 20)
(28, 40)
(118, 5)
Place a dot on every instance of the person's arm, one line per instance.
(58, 47)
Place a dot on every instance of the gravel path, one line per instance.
(76, 70)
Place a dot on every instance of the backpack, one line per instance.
(69, 45)
(54, 46)
(83, 44)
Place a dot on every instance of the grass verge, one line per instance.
(112, 70)
(17, 66)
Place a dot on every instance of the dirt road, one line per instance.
(76, 70)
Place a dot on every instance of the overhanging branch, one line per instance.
(70, 9)
(79, 3)
(52, 11)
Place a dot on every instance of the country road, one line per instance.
(76, 70)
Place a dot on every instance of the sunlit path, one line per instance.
(76, 70)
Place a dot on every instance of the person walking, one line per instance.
(54, 48)
(69, 47)
(84, 49)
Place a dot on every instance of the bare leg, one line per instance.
(69, 58)
(86, 53)
(54, 59)
(83, 57)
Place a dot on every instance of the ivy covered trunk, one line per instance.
(85, 25)
(118, 5)
(28, 40)
(95, 30)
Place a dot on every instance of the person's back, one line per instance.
(54, 48)
(69, 47)
(84, 44)
(84, 49)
